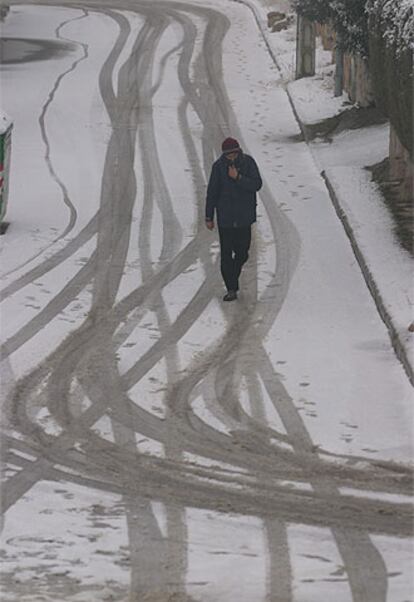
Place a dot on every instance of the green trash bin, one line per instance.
(6, 127)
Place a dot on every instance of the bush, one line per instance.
(314, 10)
(348, 17)
(391, 43)
(394, 21)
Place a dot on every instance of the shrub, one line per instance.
(391, 42)
(348, 17)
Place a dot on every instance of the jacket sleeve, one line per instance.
(213, 191)
(250, 180)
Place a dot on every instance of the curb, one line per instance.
(393, 333)
(396, 342)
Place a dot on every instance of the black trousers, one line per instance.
(234, 246)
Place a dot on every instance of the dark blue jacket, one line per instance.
(233, 200)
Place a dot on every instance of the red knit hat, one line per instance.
(230, 145)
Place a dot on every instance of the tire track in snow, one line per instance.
(373, 569)
(42, 123)
(256, 500)
(91, 227)
(49, 163)
(86, 273)
(146, 555)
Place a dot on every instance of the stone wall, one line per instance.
(386, 80)
(327, 34)
(357, 80)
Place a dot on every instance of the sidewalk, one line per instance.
(386, 266)
(343, 158)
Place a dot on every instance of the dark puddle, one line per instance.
(22, 50)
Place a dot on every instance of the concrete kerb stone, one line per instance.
(397, 344)
(396, 341)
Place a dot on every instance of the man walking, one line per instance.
(231, 192)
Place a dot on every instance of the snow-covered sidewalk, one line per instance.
(386, 266)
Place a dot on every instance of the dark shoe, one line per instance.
(230, 296)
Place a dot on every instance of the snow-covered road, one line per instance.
(158, 445)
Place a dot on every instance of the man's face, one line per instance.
(232, 156)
